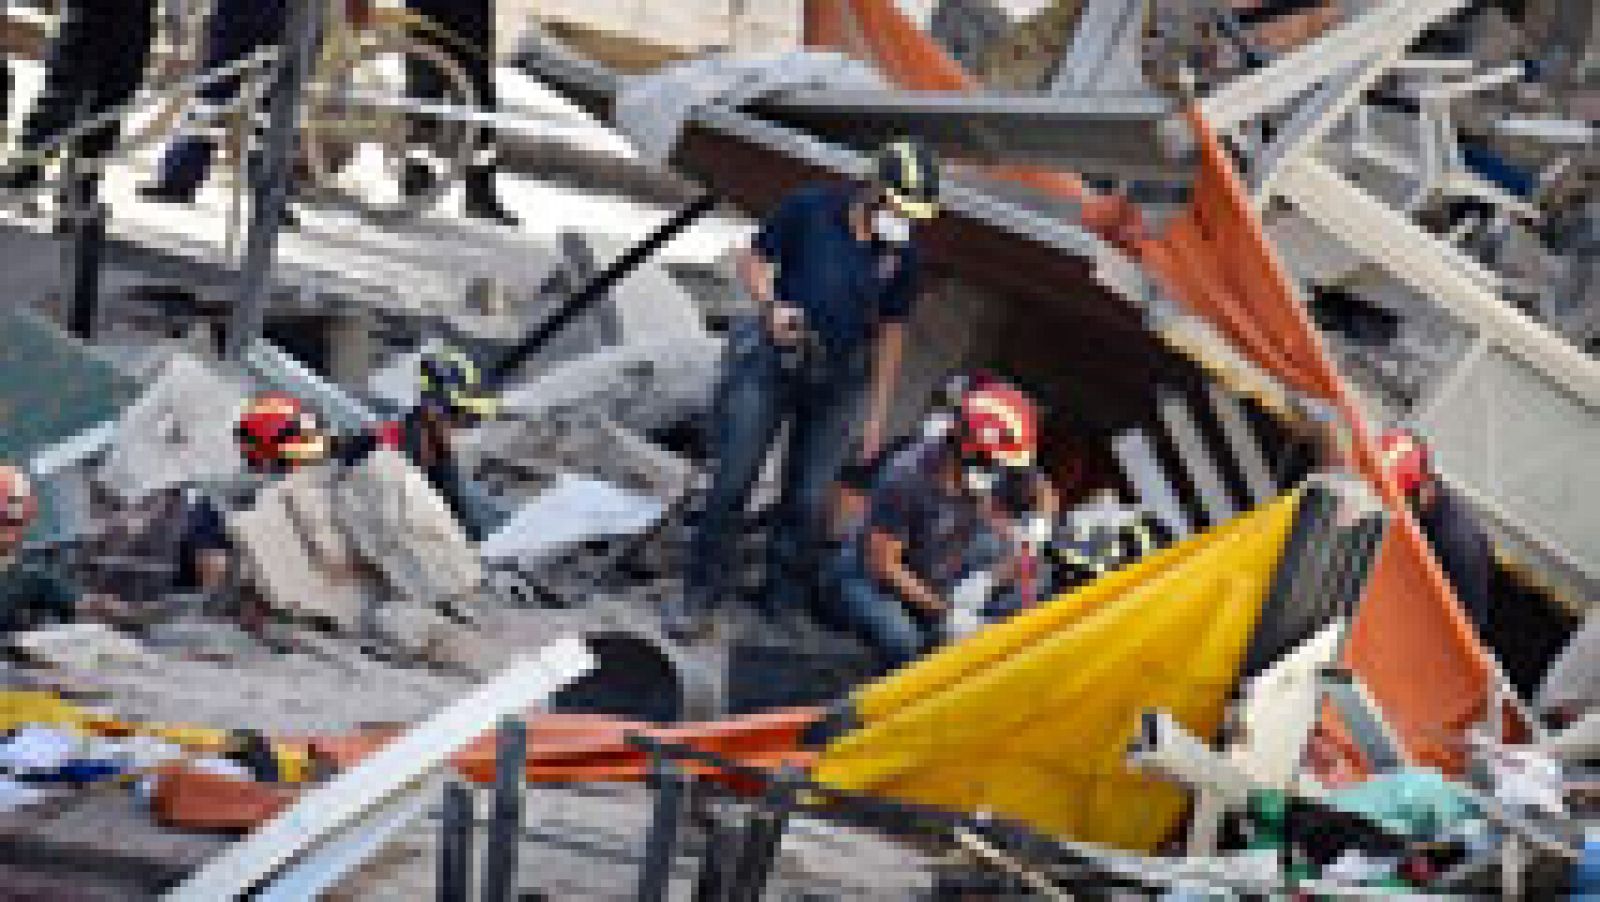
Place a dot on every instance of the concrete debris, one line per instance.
(401, 525)
(179, 431)
(526, 456)
(652, 111)
(644, 386)
(79, 646)
(572, 511)
(649, 305)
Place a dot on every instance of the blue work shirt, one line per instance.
(845, 286)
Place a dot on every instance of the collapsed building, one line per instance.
(1106, 253)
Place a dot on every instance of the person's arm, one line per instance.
(886, 360)
(757, 268)
(886, 562)
(899, 297)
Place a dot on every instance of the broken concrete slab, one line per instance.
(403, 528)
(527, 456)
(79, 646)
(649, 305)
(179, 431)
(573, 510)
(642, 386)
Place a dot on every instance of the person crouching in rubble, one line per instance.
(834, 272)
(30, 596)
(1454, 530)
(941, 549)
(450, 397)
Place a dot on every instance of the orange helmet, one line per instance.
(999, 427)
(1406, 459)
(18, 506)
(276, 432)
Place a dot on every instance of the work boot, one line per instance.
(483, 201)
(161, 192)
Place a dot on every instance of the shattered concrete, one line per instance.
(643, 386)
(179, 431)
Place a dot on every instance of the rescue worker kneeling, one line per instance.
(939, 546)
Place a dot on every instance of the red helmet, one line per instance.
(18, 506)
(1406, 459)
(999, 427)
(276, 432)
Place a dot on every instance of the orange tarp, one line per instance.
(1411, 645)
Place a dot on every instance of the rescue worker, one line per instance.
(1453, 529)
(1100, 537)
(938, 542)
(276, 434)
(30, 596)
(451, 396)
(235, 30)
(96, 63)
(468, 37)
(834, 272)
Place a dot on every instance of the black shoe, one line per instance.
(24, 180)
(483, 202)
(166, 193)
(417, 180)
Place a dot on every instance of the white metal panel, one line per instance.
(1196, 457)
(1242, 443)
(1137, 457)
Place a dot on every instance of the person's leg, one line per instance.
(469, 38)
(881, 619)
(748, 409)
(235, 30)
(828, 412)
(122, 47)
(66, 72)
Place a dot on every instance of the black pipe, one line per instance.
(505, 818)
(270, 188)
(763, 836)
(661, 845)
(710, 884)
(455, 844)
(88, 261)
(597, 288)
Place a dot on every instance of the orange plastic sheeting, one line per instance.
(594, 748)
(188, 799)
(1411, 644)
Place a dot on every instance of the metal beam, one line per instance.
(1125, 135)
(1265, 90)
(1107, 50)
(271, 191)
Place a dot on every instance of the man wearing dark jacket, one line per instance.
(96, 63)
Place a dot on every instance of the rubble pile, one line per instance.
(200, 637)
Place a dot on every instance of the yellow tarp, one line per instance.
(1029, 719)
